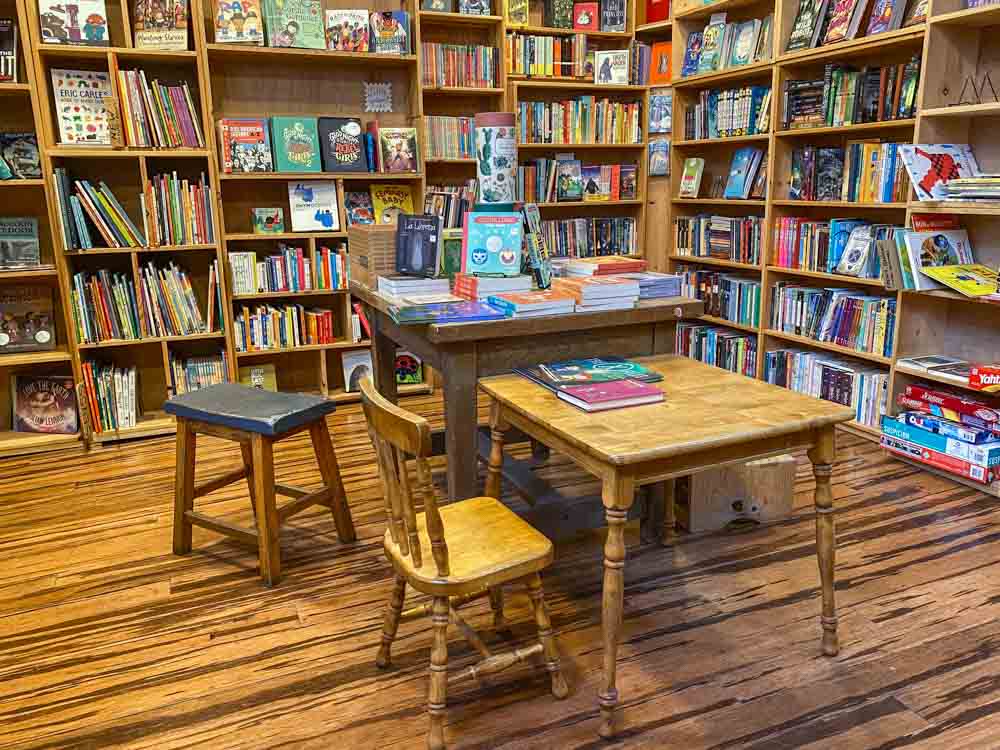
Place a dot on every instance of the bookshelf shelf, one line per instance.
(14, 89)
(655, 28)
(985, 15)
(23, 274)
(22, 183)
(719, 202)
(736, 139)
(280, 295)
(303, 348)
(56, 51)
(147, 249)
(915, 372)
(463, 90)
(148, 425)
(60, 354)
(985, 208)
(708, 9)
(831, 277)
(575, 146)
(588, 204)
(841, 204)
(462, 19)
(860, 127)
(760, 71)
(297, 176)
(986, 109)
(805, 341)
(89, 152)
(309, 56)
(709, 261)
(349, 397)
(22, 443)
(443, 160)
(729, 323)
(576, 85)
(250, 237)
(151, 340)
(910, 37)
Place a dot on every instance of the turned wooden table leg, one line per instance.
(618, 494)
(669, 513)
(822, 456)
(494, 475)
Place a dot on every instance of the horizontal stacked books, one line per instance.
(98, 204)
(450, 202)
(860, 172)
(568, 180)
(449, 137)
(472, 287)
(584, 119)
(612, 265)
(177, 211)
(267, 327)
(462, 65)
(158, 114)
(726, 113)
(726, 296)
(547, 56)
(104, 307)
(654, 285)
(714, 345)
(194, 373)
(831, 378)
(864, 323)
(706, 236)
(167, 303)
(111, 393)
(597, 383)
(532, 304)
(292, 269)
(727, 45)
(598, 293)
(841, 246)
(585, 237)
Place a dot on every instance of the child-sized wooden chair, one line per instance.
(454, 553)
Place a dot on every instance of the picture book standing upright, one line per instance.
(84, 22)
(161, 24)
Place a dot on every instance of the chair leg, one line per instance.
(183, 487)
(390, 624)
(494, 474)
(326, 457)
(438, 691)
(496, 604)
(268, 542)
(559, 687)
(248, 465)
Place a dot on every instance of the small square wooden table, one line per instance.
(710, 418)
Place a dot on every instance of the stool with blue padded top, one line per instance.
(256, 420)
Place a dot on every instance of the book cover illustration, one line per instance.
(591, 370)
(347, 30)
(659, 157)
(613, 15)
(739, 172)
(342, 144)
(313, 206)
(438, 6)
(569, 180)
(886, 16)
(8, 50)
(45, 404)
(358, 207)
(84, 22)
(19, 246)
(744, 43)
(390, 32)
(516, 12)
(357, 367)
(492, 243)
(829, 173)
(262, 377)
(692, 54)
(694, 167)
(27, 319)
(80, 98)
(446, 312)
(840, 21)
(629, 177)
(595, 187)
(296, 144)
(611, 67)
(245, 145)
(474, 7)
(161, 24)
(804, 25)
(916, 13)
(559, 14)
(451, 253)
(398, 149)
(390, 200)
(19, 151)
(931, 166)
(661, 109)
(417, 241)
(972, 280)
(586, 16)
(496, 157)
(711, 44)
(239, 22)
(268, 220)
(660, 70)
(409, 368)
(294, 23)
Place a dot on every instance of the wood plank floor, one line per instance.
(108, 640)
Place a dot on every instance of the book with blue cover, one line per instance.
(491, 243)
(588, 370)
(742, 172)
(692, 54)
(445, 312)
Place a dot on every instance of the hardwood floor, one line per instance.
(108, 640)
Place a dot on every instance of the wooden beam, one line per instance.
(226, 479)
(240, 533)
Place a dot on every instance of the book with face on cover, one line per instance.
(239, 22)
(160, 24)
(294, 23)
(611, 67)
(44, 404)
(347, 30)
(83, 22)
(692, 54)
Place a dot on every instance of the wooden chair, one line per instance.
(455, 553)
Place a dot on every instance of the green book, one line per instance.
(296, 144)
(294, 23)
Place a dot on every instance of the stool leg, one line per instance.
(326, 457)
(268, 543)
(248, 465)
(183, 487)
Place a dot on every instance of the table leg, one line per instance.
(669, 513)
(822, 456)
(461, 423)
(383, 357)
(618, 494)
(494, 477)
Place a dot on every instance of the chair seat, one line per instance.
(488, 545)
(250, 409)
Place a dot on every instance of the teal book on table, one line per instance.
(295, 141)
(491, 243)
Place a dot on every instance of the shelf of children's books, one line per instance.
(279, 295)
(576, 146)
(856, 127)
(21, 443)
(985, 109)
(710, 261)
(349, 397)
(19, 274)
(984, 15)
(553, 31)
(302, 348)
(846, 350)
(756, 71)
(14, 89)
(589, 204)
(21, 183)
(443, 160)
(729, 323)
(461, 19)
(654, 28)
(835, 278)
(719, 141)
(51, 51)
(149, 424)
(578, 85)
(59, 354)
(985, 208)
(841, 204)
(151, 340)
(64, 151)
(339, 57)
(719, 202)
(296, 176)
(156, 249)
(704, 10)
(463, 90)
(249, 237)
(911, 36)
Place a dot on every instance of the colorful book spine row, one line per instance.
(724, 237)
(728, 113)
(266, 327)
(864, 323)
(554, 181)
(83, 206)
(587, 237)
(801, 243)
(865, 389)
(585, 119)
(156, 114)
(177, 211)
(449, 137)
(168, 305)
(112, 396)
(194, 373)
(639, 60)
(291, 270)
(450, 202)
(105, 307)
(462, 65)
(726, 296)
(721, 347)
(547, 56)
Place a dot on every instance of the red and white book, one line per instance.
(616, 394)
(955, 402)
(588, 289)
(604, 265)
(476, 288)
(939, 460)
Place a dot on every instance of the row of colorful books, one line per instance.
(864, 323)
(178, 211)
(105, 307)
(862, 387)
(168, 305)
(746, 179)
(112, 395)
(194, 373)
(584, 119)
(466, 65)
(450, 202)
(726, 296)
(724, 45)
(724, 113)
(291, 269)
(157, 114)
(585, 237)
(266, 327)
(860, 172)
(582, 15)
(80, 201)
(714, 345)
(552, 181)
(821, 22)
(549, 56)
(725, 237)
(448, 137)
(840, 246)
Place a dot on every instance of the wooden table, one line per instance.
(710, 418)
(464, 352)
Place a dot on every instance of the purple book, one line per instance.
(611, 395)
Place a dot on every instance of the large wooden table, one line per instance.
(464, 352)
(710, 418)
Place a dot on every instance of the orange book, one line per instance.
(660, 70)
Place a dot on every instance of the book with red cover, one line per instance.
(611, 395)
(587, 288)
(543, 299)
(934, 222)
(657, 10)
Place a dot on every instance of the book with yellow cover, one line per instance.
(971, 279)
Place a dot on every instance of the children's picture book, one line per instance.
(559, 14)
(245, 144)
(398, 149)
(659, 157)
(744, 43)
(239, 22)
(594, 188)
(27, 319)
(450, 256)
(390, 32)
(438, 6)
(347, 30)
(44, 404)
(357, 367)
(417, 241)
(694, 167)
(931, 166)
(19, 152)
(611, 67)
(661, 109)
(916, 12)
(342, 144)
(839, 25)
(446, 312)
(358, 207)
(389, 200)
(887, 15)
(409, 368)
(569, 180)
(612, 15)
(692, 54)
(972, 280)
(262, 377)
(159, 24)
(81, 107)
(587, 16)
(516, 12)
(660, 69)
(475, 7)
(294, 23)
(19, 246)
(83, 22)
(492, 243)
(629, 177)
(8, 50)
(938, 247)
(268, 220)
(313, 206)
(296, 144)
(711, 45)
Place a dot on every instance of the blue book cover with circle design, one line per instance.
(491, 243)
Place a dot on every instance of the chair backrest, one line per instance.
(397, 435)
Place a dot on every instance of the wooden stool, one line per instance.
(256, 420)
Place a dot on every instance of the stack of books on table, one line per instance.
(599, 293)
(655, 285)
(459, 311)
(532, 304)
(606, 265)
(407, 287)
(473, 287)
(597, 383)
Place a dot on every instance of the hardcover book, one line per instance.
(390, 32)
(516, 12)
(611, 67)
(711, 45)
(594, 188)
(740, 172)
(616, 394)
(661, 109)
(296, 144)
(931, 166)
(660, 70)
(19, 246)
(28, 319)
(629, 175)
(491, 243)
(160, 25)
(916, 12)
(692, 54)
(744, 41)
(398, 149)
(446, 312)
(245, 144)
(659, 157)
(19, 151)
(806, 20)
(613, 15)
(569, 180)
(313, 206)
(84, 22)
(239, 22)
(417, 242)
(358, 207)
(81, 104)
(657, 10)
(8, 50)
(559, 14)
(357, 367)
(840, 20)
(887, 15)
(294, 23)
(44, 404)
(347, 30)
(390, 200)
(409, 368)
(268, 220)
(694, 167)
(262, 377)
(829, 173)
(342, 144)
(586, 16)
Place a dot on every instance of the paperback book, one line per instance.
(8, 50)
(313, 206)
(159, 24)
(611, 67)
(398, 149)
(19, 246)
(19, 153)
(694, 167)
(268, 220)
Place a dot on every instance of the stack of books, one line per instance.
(104, 306)
(267, 327)
(723, 347)
(167, 302)
(726, 296)
(411, 288)
(864, 323)
(459, 65)
(462, 311)
(729, 112)
(449, 137)
(957, 371)
(194, 373)
(610, 265)
(598, 383)
(984, 187)
(599, 293)
(584, 119)
(472, 287)
(547, 56)
(723, 237)
(111, 393)
(654, 285)
(532, 304)
(158, 114)
(177, 211)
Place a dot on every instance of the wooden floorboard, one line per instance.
(108, 640)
